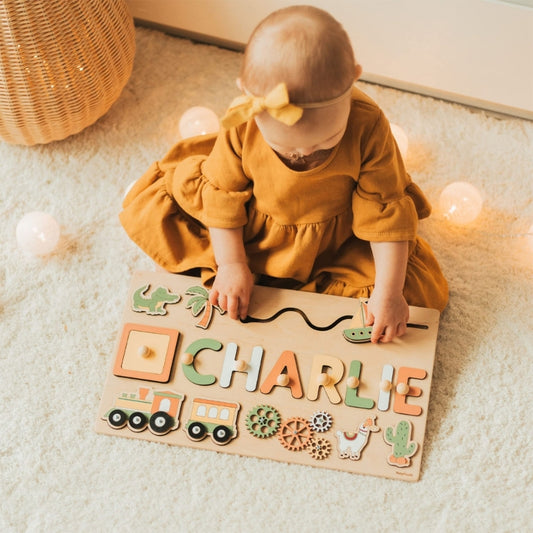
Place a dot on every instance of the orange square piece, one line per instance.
(146, 352)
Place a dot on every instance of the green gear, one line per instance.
(263, 421)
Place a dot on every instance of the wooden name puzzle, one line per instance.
(297, 381)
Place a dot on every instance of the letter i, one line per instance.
(385, 387)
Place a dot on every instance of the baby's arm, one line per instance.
(234, 281)
(388, 311)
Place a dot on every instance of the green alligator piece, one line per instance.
(402, 447)
(155, 304)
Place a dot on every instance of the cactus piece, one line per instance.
(402, 446)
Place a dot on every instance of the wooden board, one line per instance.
(279, 390)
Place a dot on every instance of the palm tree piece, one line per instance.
(200, 304)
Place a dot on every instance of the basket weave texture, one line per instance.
(63, 63)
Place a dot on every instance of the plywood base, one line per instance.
(286, 389)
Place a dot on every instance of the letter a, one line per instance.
(286, 361)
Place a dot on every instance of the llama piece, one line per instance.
(350, 445)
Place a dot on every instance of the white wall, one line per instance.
(477, 52)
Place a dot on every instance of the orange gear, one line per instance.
(319, 448)
(295, 433)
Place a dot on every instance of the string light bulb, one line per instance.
(198, 120)
(37, 233)
(460, 203)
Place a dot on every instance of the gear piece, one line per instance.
(295, 433)
(321, 421)
(263, 421)
(319, 448)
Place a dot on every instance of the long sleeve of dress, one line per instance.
(215, 190)
(386, 203)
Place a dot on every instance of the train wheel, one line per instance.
(221, 435)
(196, 431)
(137, 421)
(117, 419)
(160, 423)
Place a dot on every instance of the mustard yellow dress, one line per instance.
(306, 230)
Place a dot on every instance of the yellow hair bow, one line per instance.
(276, 102)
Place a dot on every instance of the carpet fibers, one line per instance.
(60, 315)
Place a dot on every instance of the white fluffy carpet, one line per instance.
(60, 315)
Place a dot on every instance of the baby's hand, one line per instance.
(232, 289)
(388, 316)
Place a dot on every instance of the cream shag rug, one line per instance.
(60, 315)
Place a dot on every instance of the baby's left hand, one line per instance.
(388, 316)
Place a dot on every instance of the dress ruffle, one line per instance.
(292, 251)
(389, 221)
(159, 225)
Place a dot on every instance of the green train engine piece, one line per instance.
(156, 410)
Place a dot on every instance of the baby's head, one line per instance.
(303, 47)
(306, 49)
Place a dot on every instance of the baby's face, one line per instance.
(319, 130)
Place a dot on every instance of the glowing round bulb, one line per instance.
(460, 202)
(37, 233)
(401, 139)
(198, 121)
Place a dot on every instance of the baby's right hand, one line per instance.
(232, 289)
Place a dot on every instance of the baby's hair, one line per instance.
(304, 47)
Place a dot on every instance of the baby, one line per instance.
(303, 188)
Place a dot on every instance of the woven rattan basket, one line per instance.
(62, 65)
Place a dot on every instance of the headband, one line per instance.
(276, 103)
